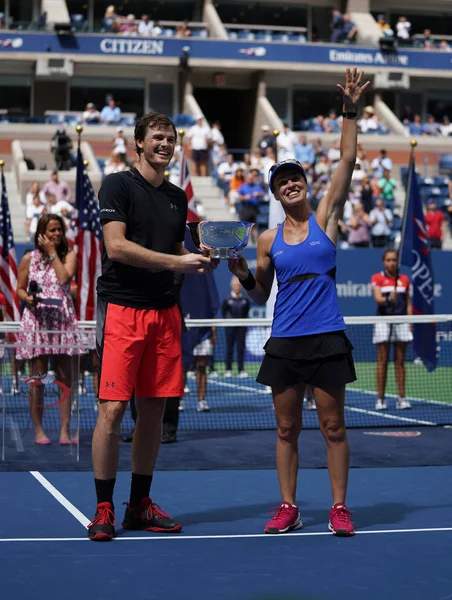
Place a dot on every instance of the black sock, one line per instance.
(104, 490)
(140, 488)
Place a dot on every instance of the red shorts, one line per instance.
(138, 349)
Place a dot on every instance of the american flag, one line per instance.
(185, 184)
(88, 242)
(8, 262)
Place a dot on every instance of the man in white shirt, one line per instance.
(380, 220)
(368, 122)
(91, 114)
(200, 137)
(145, 26)
(446, 127)
(286, 144)
(380, 163)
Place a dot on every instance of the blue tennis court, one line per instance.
(402, 548)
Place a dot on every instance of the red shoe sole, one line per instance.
(101, 537)
(161, 530)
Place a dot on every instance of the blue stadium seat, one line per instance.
(245, 34)
(281, 37)
(168, 32)
(232, 35)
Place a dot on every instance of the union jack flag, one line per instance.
(185, 184)
(87, 241)
(8, 261)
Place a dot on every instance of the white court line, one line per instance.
(436, 402)
(232, 536)
(349, 408)
(61, 499)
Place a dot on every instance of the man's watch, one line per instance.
(52, 256)
(349, 115)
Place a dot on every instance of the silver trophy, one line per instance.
(222, 239)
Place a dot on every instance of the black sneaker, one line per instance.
(102, 527)
(169, 438)
(149, 517)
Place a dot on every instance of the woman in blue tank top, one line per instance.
(308, 345)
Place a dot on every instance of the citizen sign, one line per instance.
(368, 58)
(118, 46)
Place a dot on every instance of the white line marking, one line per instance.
(61, 499)
(15, 435)
(378, 413)
(231, 536)
(436, 402)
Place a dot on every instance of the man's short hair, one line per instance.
(154, 120)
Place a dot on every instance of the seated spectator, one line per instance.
(446, 127)
(57, 187)
(380, 221)
(358, 173)
(386, 187)
(226, 171)
(156, 30)
(127, 25)
(217, 140)
(267, 140)
(380, 163)
(110, 16)
(246, 163)
(235, 184)
(304, 152)
(319, 190)
(183, 31)
(267, 163)
(444, 46)
(145, 26)
(431, 127)
(366, 194)
(416, 127)
(349, 30)
(436, 225)
(334, 154)
(368, 121)
(322, 167)
(35, 189)
(384, 27)
(403, 30)
(358, 228)
(249, 195)
(362, 157)
(115, 164)
(256, 159)
(91, 115)
(111, 113)
(318, 149)
(318, 125)
(32, 215)
(331, 123)
(120, 144)
(132, 31)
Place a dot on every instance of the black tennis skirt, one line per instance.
(323, 360)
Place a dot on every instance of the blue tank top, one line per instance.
(311, 306)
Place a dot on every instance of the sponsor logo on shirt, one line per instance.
(316, 243)
(110, 210)
(278, 253)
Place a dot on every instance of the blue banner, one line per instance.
(215, 50)
(415, 254)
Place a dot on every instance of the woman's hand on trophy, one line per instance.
(239, 267)
(196, 263)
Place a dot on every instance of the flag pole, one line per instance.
(411, 172)
(79, 130)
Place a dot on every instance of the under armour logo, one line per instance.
(107, 384)
(173, 206)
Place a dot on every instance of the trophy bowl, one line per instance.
(222, 239)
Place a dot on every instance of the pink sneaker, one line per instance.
(340, 523)
(286, 517)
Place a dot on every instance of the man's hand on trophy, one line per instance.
(196, 263)
(239, 267)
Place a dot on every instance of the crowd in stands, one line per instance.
(430, 127)
(404, 36)
(331, 123)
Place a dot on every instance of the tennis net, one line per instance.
(238, 402)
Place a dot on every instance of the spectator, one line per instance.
(368, 121)
(91, 115)
(256, 159)
(61, 146)
(416, 127)
(250, 194)
(431, 127)
(156, 30)
(361, 156)
(127, 25)
(51, 265)
(183, 31)
(267, 162)
(366, 194)
(235, 306)
(199, 137)
(317, 148)
(337, 26)
(57, 187)
(403, 30)
(226, 172)
(386, 186)
(110, 17)
(304, 152)
(349, 30)
(318, 125)
(267, 140)
(145, 26)
(286, 143)
(322, 167)
(120, 144)
(334, 154)
(384, 27)
(217, 140)
(115, 164)
(110, 113)
(234, 185)
(444, 46)
(35, 188)
(33, 214)
(427, 41)
(380, 163)
(358, 227)
(380, 220)
(358, 174)
(331, 123)
(436, 225)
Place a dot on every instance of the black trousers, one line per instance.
(235, 336)
(170, 416)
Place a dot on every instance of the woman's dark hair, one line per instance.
(390, 251)
(63, 246)
(154, 120)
